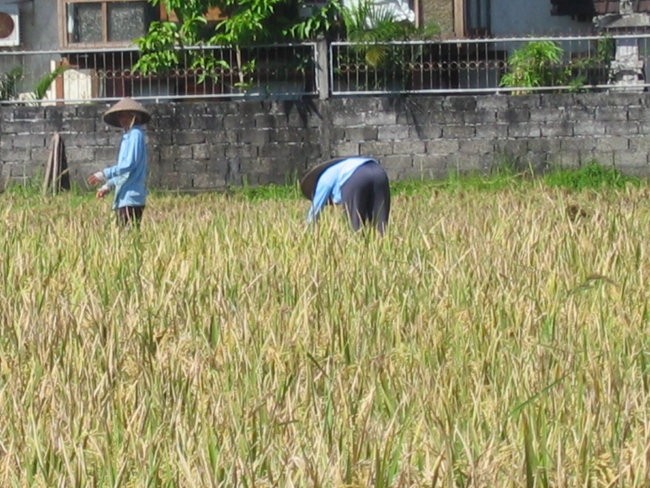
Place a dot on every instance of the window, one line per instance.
(93, 22)
(477, 18)
(582, 10)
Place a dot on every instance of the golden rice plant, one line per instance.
(489, 339)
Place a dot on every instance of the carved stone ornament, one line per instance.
(625, 7)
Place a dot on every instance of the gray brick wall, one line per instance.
(198, 146)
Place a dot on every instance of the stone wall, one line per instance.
(197, 146)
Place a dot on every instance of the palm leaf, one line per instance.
(44, 83)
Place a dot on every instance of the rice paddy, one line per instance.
(493, 338)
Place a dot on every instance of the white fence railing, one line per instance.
(495, 65)
(283, 70)
(481, 65)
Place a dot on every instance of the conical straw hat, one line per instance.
(310, 179)
(126, 105)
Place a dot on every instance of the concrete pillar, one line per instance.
(322, 69)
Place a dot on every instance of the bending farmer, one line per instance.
(359, 183)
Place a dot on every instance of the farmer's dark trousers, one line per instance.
(129, 216)
(366, 197)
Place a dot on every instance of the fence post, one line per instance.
(322, 68)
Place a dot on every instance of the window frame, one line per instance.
(63, 24)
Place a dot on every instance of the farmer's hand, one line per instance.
(102, 192)
(96, 178)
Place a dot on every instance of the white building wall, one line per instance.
(39, 24)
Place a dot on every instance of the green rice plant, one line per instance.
(591, 175)
(265, 192)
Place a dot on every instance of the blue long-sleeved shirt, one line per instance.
(330, 182)
(129, 175)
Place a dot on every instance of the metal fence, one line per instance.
(296, 70)
(283, 70)
(490, 65)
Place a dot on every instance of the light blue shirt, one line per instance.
(330, 182)
(129, 175)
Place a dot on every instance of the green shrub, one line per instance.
(9, 82)
(533, 65)
(542, 64)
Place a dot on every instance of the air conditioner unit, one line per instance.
(9, 25)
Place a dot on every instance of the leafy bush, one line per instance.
(591, 70)
(533, 65)
(541, 64)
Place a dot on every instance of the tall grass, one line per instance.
(489, 339)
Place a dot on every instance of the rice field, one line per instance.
(490, 339)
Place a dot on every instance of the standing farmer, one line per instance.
(359, 183)
(128, 176)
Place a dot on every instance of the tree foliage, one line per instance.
(244, 22)
(249, 22)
